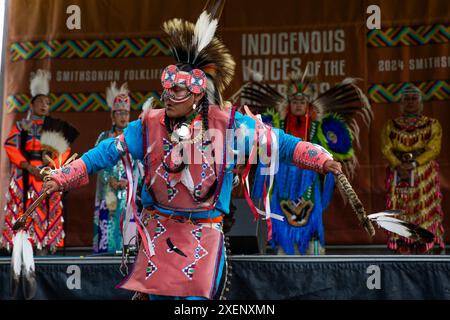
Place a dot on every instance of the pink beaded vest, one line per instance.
(186, 174)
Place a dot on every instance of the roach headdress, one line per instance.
(198, 46)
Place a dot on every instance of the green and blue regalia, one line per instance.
(301, 196)
(111, 198)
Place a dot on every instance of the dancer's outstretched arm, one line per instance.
(105, 155)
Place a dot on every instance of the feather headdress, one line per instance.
(197, 45)
(263, 96)
(389, 220)
(346, 100)
(39, 83)
(57, 136)
(118, 98)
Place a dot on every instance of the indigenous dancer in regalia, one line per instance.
(411, 143)
(34, 143)
(111, 194)
(26, 146)
(189, 153)
(301, 196)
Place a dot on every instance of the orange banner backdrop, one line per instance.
(122, 41)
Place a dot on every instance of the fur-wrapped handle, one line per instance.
(356, 204)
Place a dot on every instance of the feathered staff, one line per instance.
(389, 220)
(22, 260)
(386, 219)
(356, 204)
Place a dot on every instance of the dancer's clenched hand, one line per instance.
(332, 166)
(50, 187)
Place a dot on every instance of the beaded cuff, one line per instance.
(72, 176)
(310, 156)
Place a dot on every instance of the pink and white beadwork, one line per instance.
(194, 80)
(121, 102)
(310, 156)
(72, 176)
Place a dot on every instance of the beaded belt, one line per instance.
(155, 213)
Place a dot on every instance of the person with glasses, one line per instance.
(190, 149)
(111, 191)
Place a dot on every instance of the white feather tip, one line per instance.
(204, 31)
(39, 83)
(148, 104)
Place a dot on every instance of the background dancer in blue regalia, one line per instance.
(301, 196)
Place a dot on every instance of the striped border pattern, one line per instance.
(78, 102)
(431, 90)
(93, 49)
(409, 36)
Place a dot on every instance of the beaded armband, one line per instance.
(310, 156)
(72, 176)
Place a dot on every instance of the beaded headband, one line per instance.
(194, 80)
